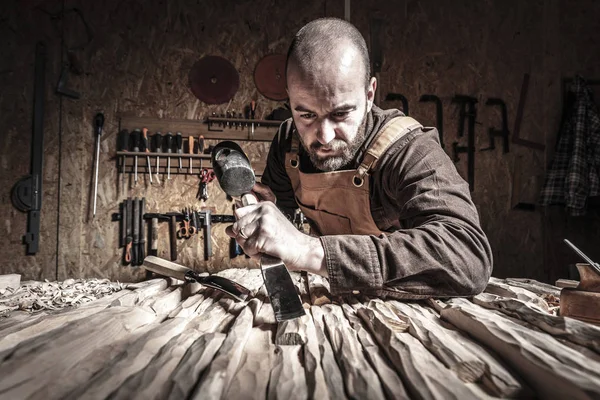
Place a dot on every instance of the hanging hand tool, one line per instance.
(236, 177)
(128, 217)
(173, 234)
(98, 124)
(136, 232)
(186, 231)
(503, 132)
(167, 268)
(439, 114)
(146, 148)
(206, 176)
(154, 237)
(179, 144)
(205, 216)
(142, 245)
(158, 149)
(194, 221)
(169, 148)
(123, 145)
(135, 142)
(252, 115)
(201, 147)
(191, 149)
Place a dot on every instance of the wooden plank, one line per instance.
(359, 376)
(221, 370)
(252, 376)
(537, 356)
(539, 288)
(467, 359)
(331, 370)
(559, 327)
(31, 328)
(424, 376)
(153, 380)
(390, 381)
(567, 283)
(197, 127)
(499, 288)
(12, 281)
(194, 362)
(39, 365)
(287, 379)
(165, 302)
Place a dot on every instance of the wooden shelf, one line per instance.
(264, 130)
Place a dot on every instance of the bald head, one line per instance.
(326, 45)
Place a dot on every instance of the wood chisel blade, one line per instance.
(281, 289)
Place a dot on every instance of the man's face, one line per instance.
(329, 107)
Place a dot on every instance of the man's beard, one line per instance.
(348, 150)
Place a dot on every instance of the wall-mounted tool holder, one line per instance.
(503, 132)
(468, 112)
(214, 127)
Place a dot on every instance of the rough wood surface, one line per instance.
(390, 381)
(559, 327)
(160, 340)
(535, 355)
(466, 358)
(37, 363)
(12, 281)
(424, 375)
(499, 288)
(221, 370)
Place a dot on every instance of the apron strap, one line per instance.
(391, 132)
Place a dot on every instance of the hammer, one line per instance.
(236, 177)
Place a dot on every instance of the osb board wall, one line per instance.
(584, 59)
(138, 61)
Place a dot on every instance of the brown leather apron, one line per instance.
(338, 202)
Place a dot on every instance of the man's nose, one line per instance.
(326, 132)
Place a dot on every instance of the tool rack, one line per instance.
(199, 161)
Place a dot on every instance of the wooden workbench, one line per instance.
(165, 341)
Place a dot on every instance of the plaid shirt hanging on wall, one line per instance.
(574, 175)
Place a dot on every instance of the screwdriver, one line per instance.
(147, 150)
(200, 149)
(135, 140)
(123, 145)
(252, 113)
(158, 149)
(191, 149)
(99, 123)
(179, 144)
(169, 145)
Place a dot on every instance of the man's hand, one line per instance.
(262, 228)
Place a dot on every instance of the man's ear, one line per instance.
(371, 93)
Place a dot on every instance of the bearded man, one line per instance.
(389, 214)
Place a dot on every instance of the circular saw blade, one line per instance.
(269, 77)
(214, 80)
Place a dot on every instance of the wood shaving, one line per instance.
(36, 296)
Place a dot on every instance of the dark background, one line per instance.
(137, 63)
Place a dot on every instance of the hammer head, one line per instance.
(232, 169)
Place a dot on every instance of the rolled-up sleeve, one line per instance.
(439, 249)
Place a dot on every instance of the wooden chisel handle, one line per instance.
(154, 237)
(166, 268)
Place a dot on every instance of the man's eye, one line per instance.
(307, 116)
(340, 114)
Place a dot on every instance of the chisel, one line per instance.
(142, 245)
(169, 147)
(171, 269)
(98, 124)
(179, 144)
(191, 149)
(136, 232)
(135, 142)
(123, 145)
(158, 148)
(146, 148)
(128, 238)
